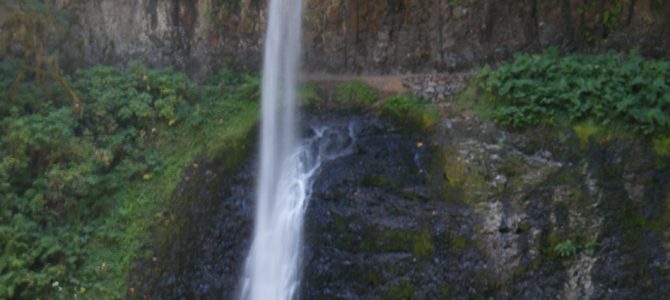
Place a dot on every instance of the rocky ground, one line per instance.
(468, 211)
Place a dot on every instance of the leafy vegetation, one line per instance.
(308, 97)
(627, 92)
(409, 111)
(27, 30)
(565, 249)
(355, 94)
(78, 188)
(566, 246)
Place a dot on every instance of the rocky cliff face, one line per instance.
(195, 36)
(483, 213)
(360, 36)
(470, 212)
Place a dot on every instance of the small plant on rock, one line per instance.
(565, 249)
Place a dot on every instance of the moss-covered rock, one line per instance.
(403, 290)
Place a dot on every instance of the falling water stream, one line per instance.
(287, 166)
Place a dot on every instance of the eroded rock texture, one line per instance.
(360, 36)
(481, 212)
(472, 211)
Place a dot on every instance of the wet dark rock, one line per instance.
(477, 212)
(200, 251)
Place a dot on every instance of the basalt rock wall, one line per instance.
(469, 211)
(360, 36)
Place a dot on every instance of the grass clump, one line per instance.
(629, 92)
(80, 185)
(410, 112)
(355, 94)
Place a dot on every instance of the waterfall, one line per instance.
(273, 266)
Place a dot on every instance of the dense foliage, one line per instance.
(63, 174)
(629, 92)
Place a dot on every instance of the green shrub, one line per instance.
(65, 177)
(354, 94)
(629, 92)
(565, 249)
(410, 112)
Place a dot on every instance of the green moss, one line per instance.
(410, 113)
(394, 241)
(445, 292)
(512, 165)
(588, 131)
(457, 243)
(376, 181)
(423, 247)
(565, 177)
(661, 222)
(420, 244)
(461, 182)
(343, 238)
(366, 275)
(661, 146)
(632, 219)
(403, 290)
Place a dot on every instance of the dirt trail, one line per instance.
(386, 83)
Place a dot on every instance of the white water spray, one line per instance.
(284, 184)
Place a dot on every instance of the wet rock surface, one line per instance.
(474, 211)
(199, 252)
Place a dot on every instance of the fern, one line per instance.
(630, 92)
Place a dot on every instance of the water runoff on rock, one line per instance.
(286, 166)
(273, 266)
